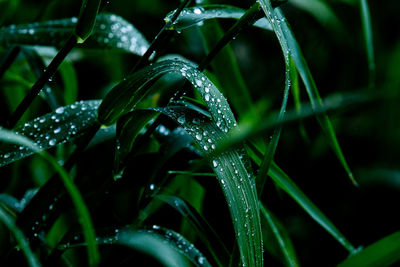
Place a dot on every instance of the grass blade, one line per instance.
(383, 252)
(77, 199)
(8, 221)
(109, 32)
(284, 182)
(51, 129)
(368, 39)
(291, 49)
(192, 16)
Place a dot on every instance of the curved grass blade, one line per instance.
(237, 184)
(283, 240)
(284, 182)
(238, 187)
(51, 129)
(204, 230)
(109, 32)
(77, 199)
(87, 19)
(384, 252)
(291, 49)
(8, 221)
(192, 16)
(368, 39)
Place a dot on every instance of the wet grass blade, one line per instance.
(109, 32)
(284, 182)
(282, 239)
(8, 221)
(239, 185)
(368, 39)
(51, 129)
(77, 199)
(384, 252)
(291, 49)
(192, 16)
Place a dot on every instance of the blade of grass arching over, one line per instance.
(291, 49)
(384, 252)
(283, 240)
(206, 233)
(87, 19)
(52, 129)
(77, 199)
(368, 39)
(270, 152)
(191, 16)
(237, 184)
(284, 182)
(110, 32)
(22, 241)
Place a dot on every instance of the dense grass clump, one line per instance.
(198, 133)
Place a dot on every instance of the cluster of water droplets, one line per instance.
(197, 15)
(110, 31)
(52, 129)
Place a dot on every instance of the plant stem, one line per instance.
(37, 87)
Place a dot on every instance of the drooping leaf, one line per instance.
(192, 16)
(368, 39)
(384, 252)
(291, 49)
(110, 32)
(51, 129)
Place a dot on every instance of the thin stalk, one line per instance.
(162, 37)
(253, 14)
(37, 87)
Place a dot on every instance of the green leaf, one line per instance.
(237, 184)
(238, 187)
(77, 199)
(87, 19)
(8, 221)
(51, 129)
(192, 16)
(284, 182)
(110, 32)
(291, 49)
(383, 252)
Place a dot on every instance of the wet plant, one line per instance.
(195, 133)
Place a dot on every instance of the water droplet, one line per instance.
(181, 119)
(198, 82)
(201, 260)
(52, 142)
(215, 163)
(57, 130)
(199, 136)
(60, 110)
(197, 11)
(207, 97)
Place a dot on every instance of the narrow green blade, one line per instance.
(192, 16)
(291, 49)
(368, 39)
(51, 129)
(110, 32)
